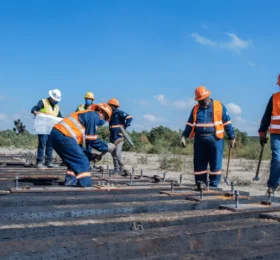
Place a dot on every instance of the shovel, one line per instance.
(256, 178)
(229, 156)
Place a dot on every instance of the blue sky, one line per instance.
(151, 55)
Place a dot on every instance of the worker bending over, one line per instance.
(207, 123)
(67, 138)
(118, 119)
(271, 119)
(47, 106)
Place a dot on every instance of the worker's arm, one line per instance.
(189, 125)
(91, 120)
(227, 124)
(38, 107)
(127, 119)
(265, 123)
(59, 114)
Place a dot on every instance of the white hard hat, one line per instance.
(55, 94)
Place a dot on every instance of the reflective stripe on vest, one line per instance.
(275, 118)
(217, 118)
(71, 127)
(48, 108)
(115, 126)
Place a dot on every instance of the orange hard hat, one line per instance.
(201, 93)
(106, 108)
(278, 82)
(114, 101)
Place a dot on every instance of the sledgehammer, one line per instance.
(256, 178)
(229, 156)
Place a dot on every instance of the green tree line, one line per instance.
(159, 140)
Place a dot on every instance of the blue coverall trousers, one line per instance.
(208, 150)
(274, 177)
(44, 147)
(73, 156)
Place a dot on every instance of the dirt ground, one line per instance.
(242, 171)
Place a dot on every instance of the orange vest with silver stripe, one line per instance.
(72, 127)
(275, 117)
(217, 118)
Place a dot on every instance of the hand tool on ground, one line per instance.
(201, 186)
(126, 136)
(229, 156)
(256, 178)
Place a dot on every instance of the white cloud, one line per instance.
(184, 104)
(149, 117)
(234, 109)
(3, 117)
(240, 119)
(161, 99)
(180, 104)
(252, 64)
(235, 44)
(202, 40)
(143, 102)
(153, 118)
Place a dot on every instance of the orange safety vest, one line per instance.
(72, 127)
(217, 118)
(275, 117)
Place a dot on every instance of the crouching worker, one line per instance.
(67, 138)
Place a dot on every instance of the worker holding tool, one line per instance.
(207, 123)
(271, 119)
(48, 106)
(118, 119)
(67, 138)
(89, 98)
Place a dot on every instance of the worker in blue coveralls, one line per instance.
(67, 139)
(118, 119)
(207, 123)
(47, 106)
(271, 121)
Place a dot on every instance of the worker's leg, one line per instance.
(72, 154)
(119, 156)
(49, 149)
(115, 161)
(42, 141)
(216, 151)
(200, 159)
(274, 177)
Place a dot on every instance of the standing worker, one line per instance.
(89, 98)
(208, 121)
(118, 119)
(271, 118)
(67, 139)
(47, 106)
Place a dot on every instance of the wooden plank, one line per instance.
(256, 207)
(191, 193)
(274, 215)
(215, 198)
(4, 192)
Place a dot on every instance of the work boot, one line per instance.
(52, 165)
(125, 173)
(40, 166)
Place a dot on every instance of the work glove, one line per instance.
(231, 143)
(263, 140)
(183, 142)
(96, 157)
(111, 147)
